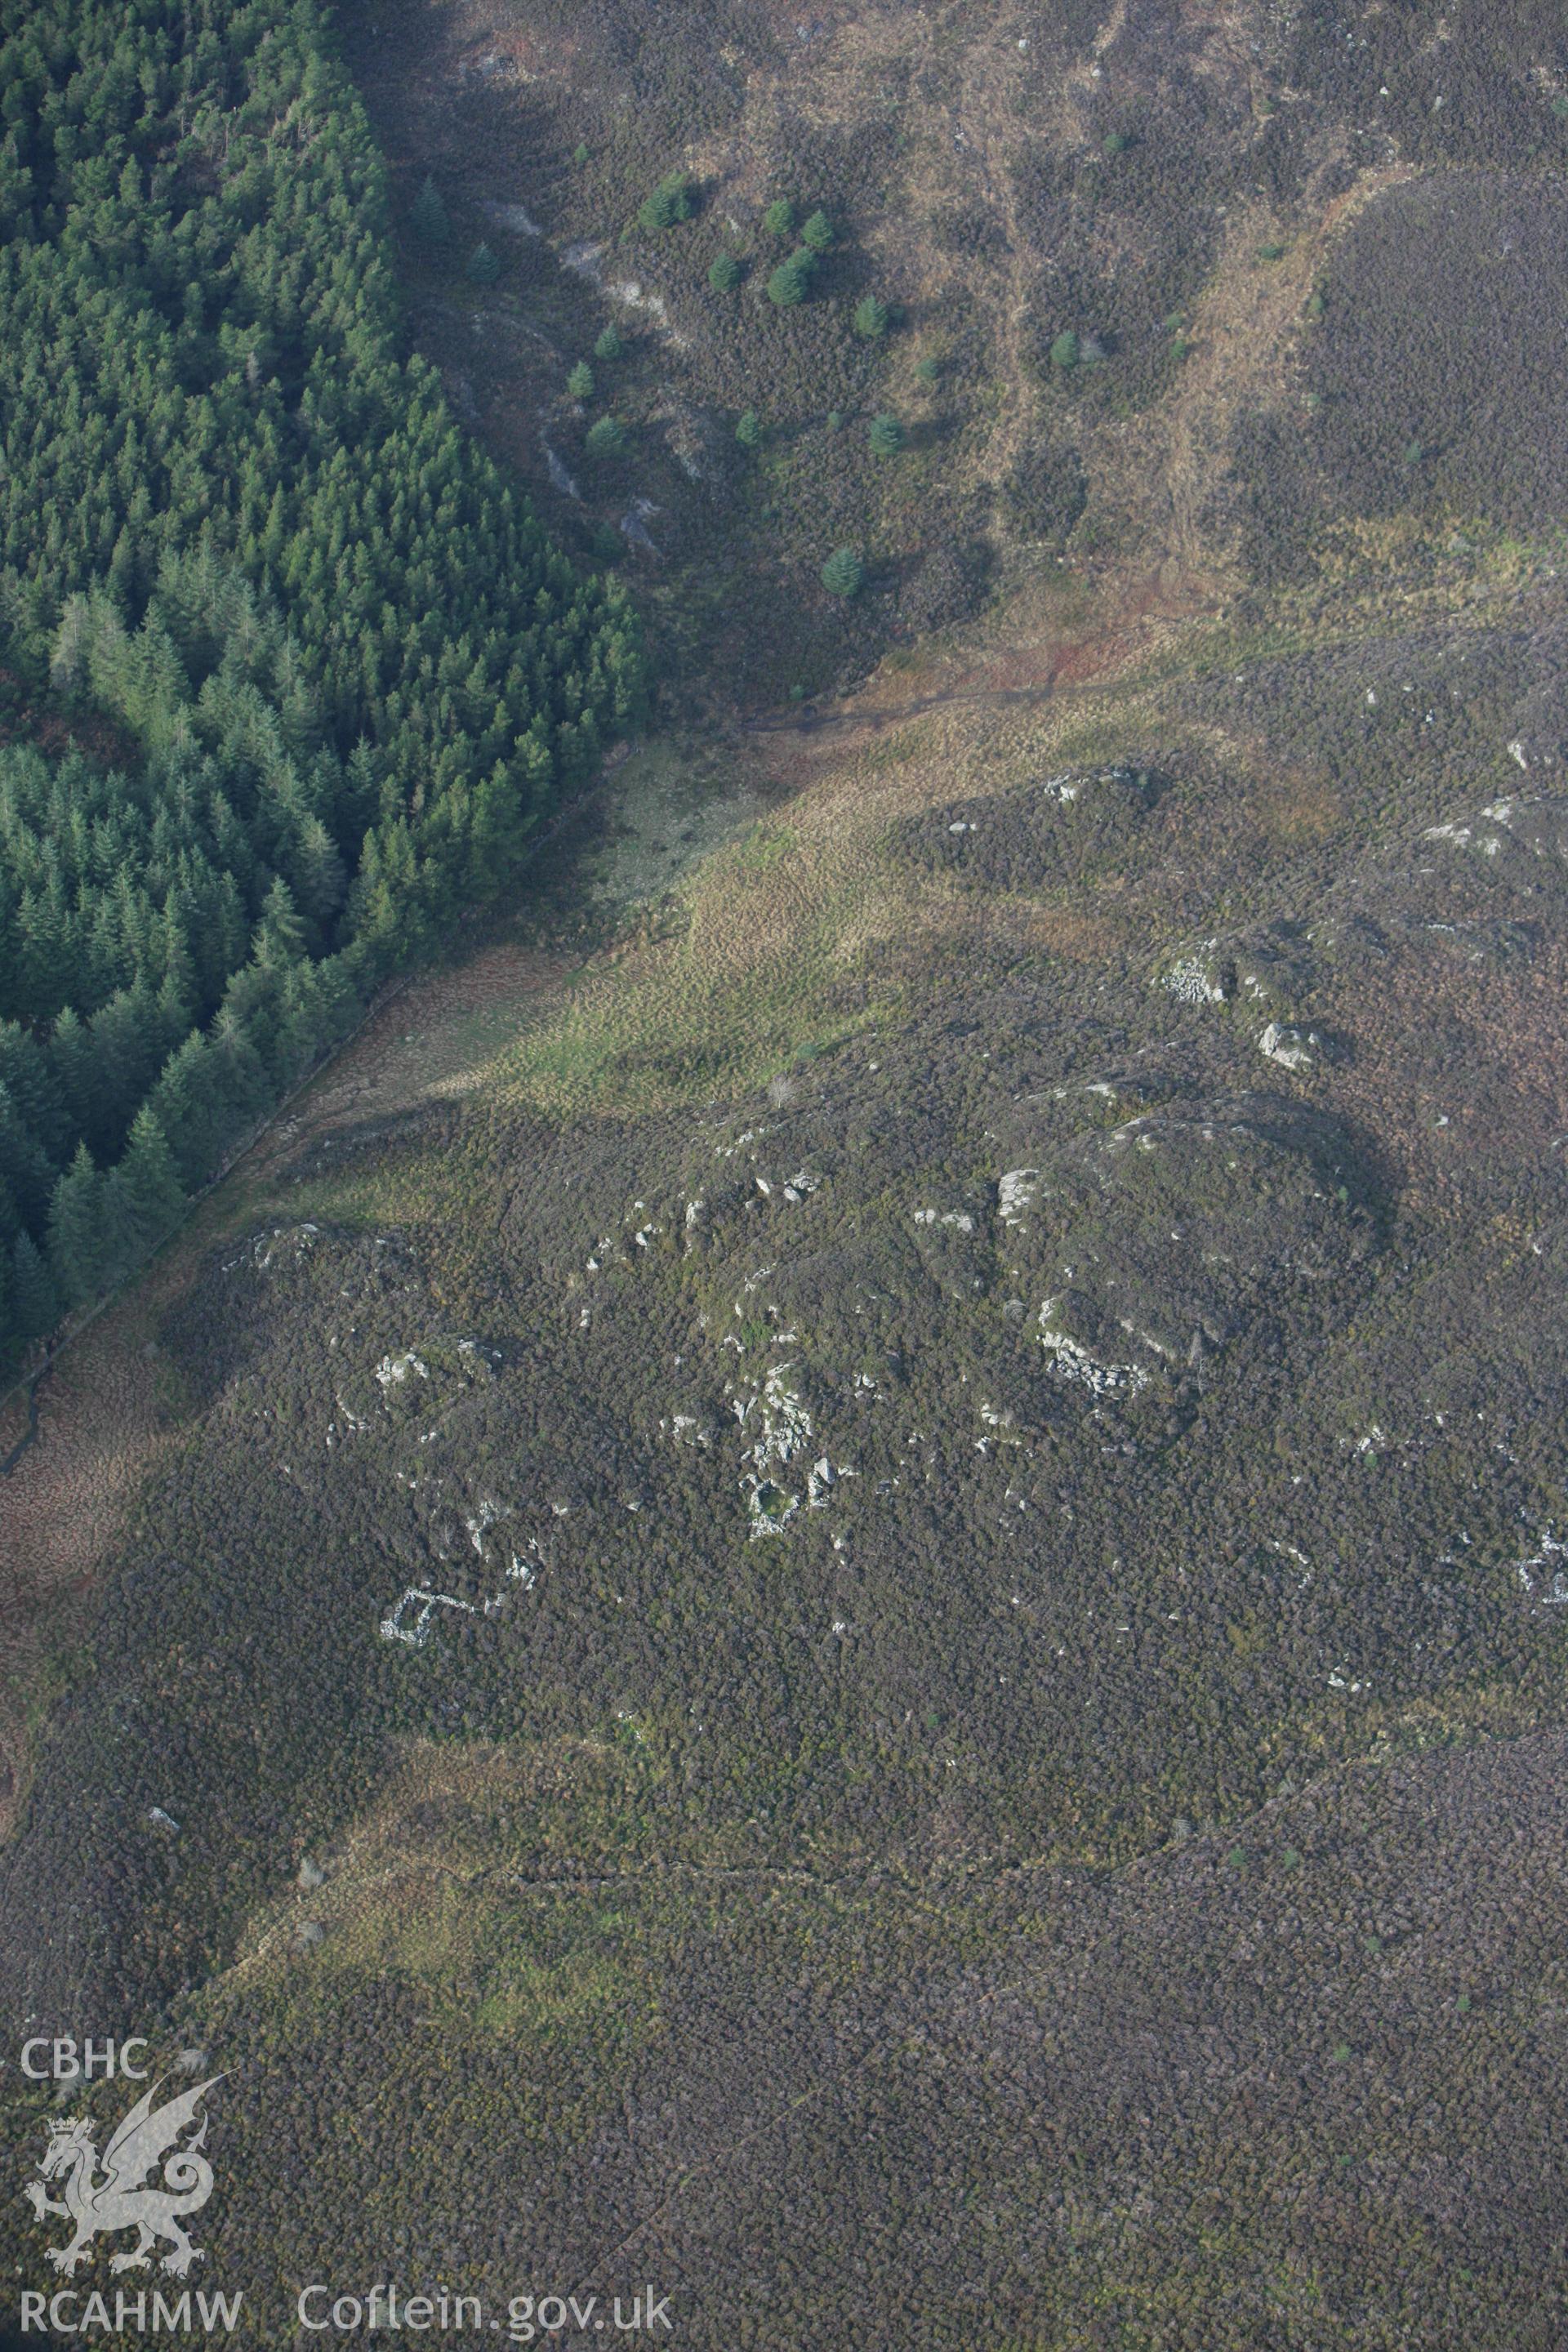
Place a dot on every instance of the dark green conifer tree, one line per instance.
(76, 1231)
(35, 1302)
(74, 1064)
(280, 935)
(791, 281)
(843, 573)
(429, 218)
(153, 1195)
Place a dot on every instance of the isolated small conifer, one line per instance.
(430, 219)
(843, 573)
(791, 281)
(671, 202)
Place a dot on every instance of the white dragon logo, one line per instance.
(118, 2199)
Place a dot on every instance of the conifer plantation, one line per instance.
(347, 672)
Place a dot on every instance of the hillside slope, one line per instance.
(851, 1592)
(1088, 1415)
